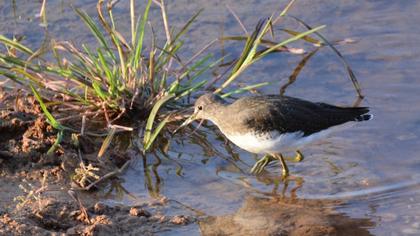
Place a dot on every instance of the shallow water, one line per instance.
(374, 167)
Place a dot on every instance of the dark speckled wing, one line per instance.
(288, 114)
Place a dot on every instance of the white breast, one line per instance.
(274, 142)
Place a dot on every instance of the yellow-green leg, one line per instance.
(265, 160)
(285, 169)
(261, 164)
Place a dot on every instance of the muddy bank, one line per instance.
(51, 215)
(41, 193)
(50, 209)
(36, 201)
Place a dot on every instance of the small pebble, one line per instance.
(159, 218)
(74, 213)
(99, 208)
(179, 220)
(139, 212)
(160, 202)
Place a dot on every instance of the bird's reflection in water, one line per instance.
(279, 211)
(285, 216)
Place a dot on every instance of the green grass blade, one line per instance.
(186, 26)
(204, 69)
(29, 76)
(57, 142)
(245, 89)
(155, 133)
(196, 65)
(109, 74)
(99, 92)
(95, 31)
(248, 47)
(167, 53)
(289, 40)
(256, 44)
(50, 118)
(175, 88)
(17, 45)
(13, 77)
(191, 89)
(248, 62)
(152, 117)
(13, 61)
(140, 35)
(306, 38)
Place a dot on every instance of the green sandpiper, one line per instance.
(272, 124)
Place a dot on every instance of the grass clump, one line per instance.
(115, 78)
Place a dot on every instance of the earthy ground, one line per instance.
(40, 194)
(35, 197)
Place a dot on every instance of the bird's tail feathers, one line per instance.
(364, 117)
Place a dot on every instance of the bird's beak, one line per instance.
(187, 122)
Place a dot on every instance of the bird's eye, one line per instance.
(200, 108)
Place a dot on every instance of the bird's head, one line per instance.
(204, 108)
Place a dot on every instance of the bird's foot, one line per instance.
(265, 160)
(298, 158)
(261, 164)
(284, 174)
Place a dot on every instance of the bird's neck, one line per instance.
(223, 119)
(217, 114)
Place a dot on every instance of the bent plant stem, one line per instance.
(343, 60)
(50, 118)
(296, 71)
(252, 57)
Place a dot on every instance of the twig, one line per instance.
(106, 114)
(133, 22)
(161, 4)
(109, 175)
(124, 128)
(82, 129)
(199, 53)
(238, 20)
(219, 76)
(82, 208)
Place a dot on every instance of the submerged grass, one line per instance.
(124, 79)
